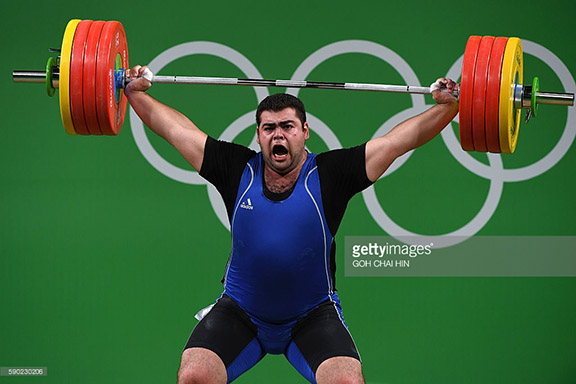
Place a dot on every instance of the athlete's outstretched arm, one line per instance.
(170, 124)
(412, 133)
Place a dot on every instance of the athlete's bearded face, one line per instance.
(282, 138)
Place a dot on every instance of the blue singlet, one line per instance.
(279, 268)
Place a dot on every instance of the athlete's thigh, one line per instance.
(229, 333)
(319, 336)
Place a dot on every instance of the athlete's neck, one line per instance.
(278, 183)
(281, 182)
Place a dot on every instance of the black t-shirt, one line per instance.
(342, 174)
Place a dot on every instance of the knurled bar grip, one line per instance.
(292, 84)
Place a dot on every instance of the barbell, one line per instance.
(90, 73)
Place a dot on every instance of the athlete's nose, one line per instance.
(278, 133)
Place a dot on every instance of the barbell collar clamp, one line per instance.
(527, 97)
(518, 96)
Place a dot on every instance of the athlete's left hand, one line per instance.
(442, 91)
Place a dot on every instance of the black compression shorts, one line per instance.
(241, 341)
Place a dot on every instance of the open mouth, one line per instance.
(279, 151)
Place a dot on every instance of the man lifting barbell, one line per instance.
(284, 205)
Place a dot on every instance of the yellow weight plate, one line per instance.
(512, 77)
(64, 80)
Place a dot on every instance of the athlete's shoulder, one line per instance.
(337, 156)
(227, 148)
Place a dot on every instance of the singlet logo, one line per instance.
(248, 206)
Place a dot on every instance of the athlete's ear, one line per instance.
(257, 135)
(306, 130)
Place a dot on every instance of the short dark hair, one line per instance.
(278, 102)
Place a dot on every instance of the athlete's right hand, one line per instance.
(138, 79)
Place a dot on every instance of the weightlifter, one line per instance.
(285, 206)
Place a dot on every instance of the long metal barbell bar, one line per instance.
(491, 94)
(40, 77)
(523, 93)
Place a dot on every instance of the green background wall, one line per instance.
(104, 260)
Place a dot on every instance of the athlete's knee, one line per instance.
(200, 366)
(342, 378)
(199, 375)
(340, 370)
(349, 378)
(196, 375)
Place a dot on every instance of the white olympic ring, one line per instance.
(165, 58)
(495, 171)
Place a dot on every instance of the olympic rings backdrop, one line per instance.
(110, 245)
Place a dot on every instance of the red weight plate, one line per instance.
(493, 94)
(479, 94)
(466, 92)
(111, 106)
(76, 71)
(89, 78)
